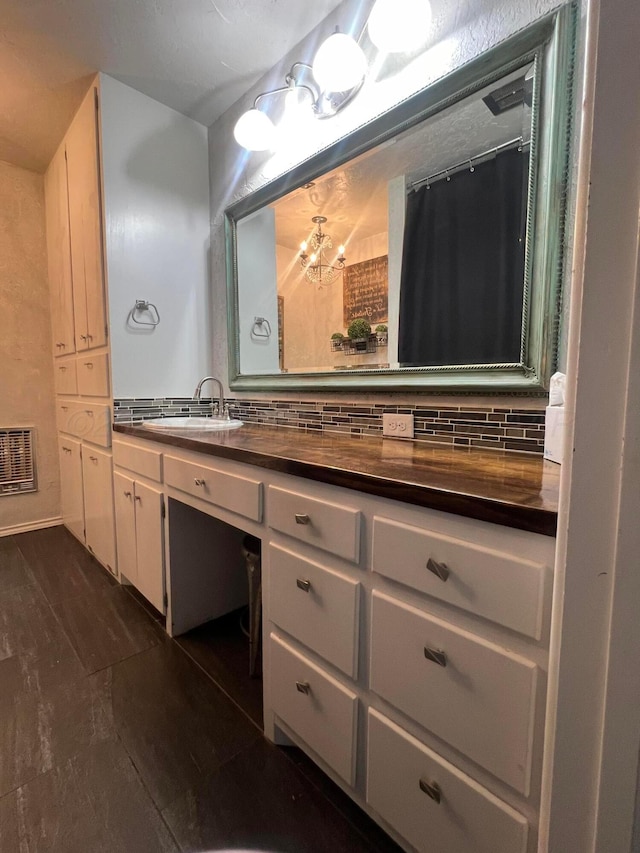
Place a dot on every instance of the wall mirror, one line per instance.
(440, 224)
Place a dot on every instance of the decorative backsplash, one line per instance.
(495, 427)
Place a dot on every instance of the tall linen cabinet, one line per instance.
(127, 212)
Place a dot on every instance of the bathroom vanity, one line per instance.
(406, 608)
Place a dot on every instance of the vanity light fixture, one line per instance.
(317, 269)
(320, 90)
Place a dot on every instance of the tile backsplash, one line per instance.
(498, 427)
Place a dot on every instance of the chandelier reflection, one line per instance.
(316, 266)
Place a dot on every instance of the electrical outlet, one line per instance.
(397, 426)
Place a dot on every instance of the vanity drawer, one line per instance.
(495, 584)
(66, 377)
(317, 606)
(317, 707)
(140, 460)
(89, 421)
(237, 494)
(466, 819)
(329, 526)
(93, 375)
(476, 696)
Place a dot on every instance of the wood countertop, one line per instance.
(503, 487)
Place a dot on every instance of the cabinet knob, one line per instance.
(138, 498)
(302, 518)
(435, 656)
(197, 481)
(431, 789)
(93, 458)
(89, 365)
(83, 337)
(62, 369)
(440, 570)
(88, 412)
(127, 494)
(305, 586)
(89, 337)
(303, 687)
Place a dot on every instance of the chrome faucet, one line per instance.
(218, 409)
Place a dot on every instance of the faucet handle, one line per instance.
(226, 416)
(216, 410)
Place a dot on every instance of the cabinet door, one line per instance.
(150, 544)
(123, 501)
(59, 254)
(71, 486)
(85, 217)
(98, 505)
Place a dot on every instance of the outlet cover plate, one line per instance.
(397, 426)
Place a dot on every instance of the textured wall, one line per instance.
(26, 363)
(461, 31)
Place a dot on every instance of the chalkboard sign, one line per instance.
(365, 291)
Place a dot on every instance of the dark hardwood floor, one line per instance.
(116, 739)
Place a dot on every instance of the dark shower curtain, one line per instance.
(463, 266)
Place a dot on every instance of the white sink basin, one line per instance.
(191, 423)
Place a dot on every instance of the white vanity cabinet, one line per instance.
(97, 480)
(139, 512)
(405, 649)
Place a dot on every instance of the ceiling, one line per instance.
(196, 56)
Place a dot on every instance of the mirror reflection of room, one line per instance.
(423, 238)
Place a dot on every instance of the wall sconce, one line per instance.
(338, 70)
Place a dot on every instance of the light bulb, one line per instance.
(341, 250)
(255, 131)
(339, 64)
(398, 26)
(298, 100)
(303, 246)
(313, 258)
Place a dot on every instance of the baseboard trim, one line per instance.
(30, 525)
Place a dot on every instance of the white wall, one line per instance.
(26, 360)
(155, 173)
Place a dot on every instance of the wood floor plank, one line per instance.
(126, 819)
(61, 566)
(106, 627)
(174, 722)
(14, 569)
(42, 727)
(259, 801)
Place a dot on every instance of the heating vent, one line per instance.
(17, 462)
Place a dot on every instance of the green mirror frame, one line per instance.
(550, 44)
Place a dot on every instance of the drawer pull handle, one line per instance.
(67, 449)
(64, 408)
(440, 570)
(127, 494)
(302, 518)
(436, 656)
(303, 687)
(197, 481)
(88, 412)
(305, 586)
(89, 365)
(62, 369)
(94, 459)
(431, 789)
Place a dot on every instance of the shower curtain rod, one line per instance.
(469, 162)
